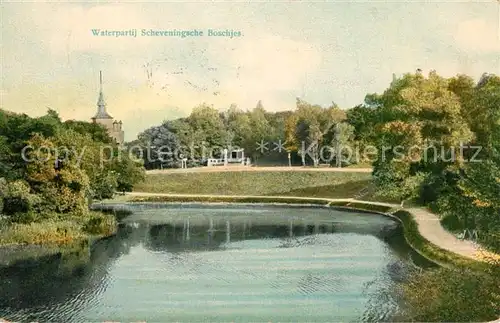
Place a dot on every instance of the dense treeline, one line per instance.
(449, 134)
(50, 170)
(207, 130)
(455, 123)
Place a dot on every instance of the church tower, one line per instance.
(102, 117)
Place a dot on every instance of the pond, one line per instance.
(195, 263)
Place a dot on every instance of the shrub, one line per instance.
(452, 295)
(17, 199)
(24, 217)
(100, 224)
(104, 186)
(48, 232)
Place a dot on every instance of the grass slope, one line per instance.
(313, 184)
(304, 184)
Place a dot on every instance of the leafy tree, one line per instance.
(343, 144)
(129, 173)
(5, 157)
(260, 130)
(363, 119)
(313, 123)
(63, 190)
(423, 112)
(292, 142)
(205, 121)
(96, 131)
(160, 147)
(417, 113)
(16, 130)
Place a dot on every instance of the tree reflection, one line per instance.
(213, 233)
(66, 281)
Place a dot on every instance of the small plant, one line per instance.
(100, 224)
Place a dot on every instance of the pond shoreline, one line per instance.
(457, 256)
(24, 254)
(422, 228)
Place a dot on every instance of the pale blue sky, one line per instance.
(322, 51)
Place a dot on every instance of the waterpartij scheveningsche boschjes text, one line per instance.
(166, 33)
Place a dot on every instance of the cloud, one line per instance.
(273, 62)
(71, 29)
(477, 35)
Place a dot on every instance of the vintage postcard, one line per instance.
(250, 161)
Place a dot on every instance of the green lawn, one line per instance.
(306, 184)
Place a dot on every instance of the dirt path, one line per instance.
(428, 223)
(217, 169)
(431, 229)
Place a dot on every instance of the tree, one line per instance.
(364, 120)
(129, 173)
(240, 126)
(423, 112)
(64, 190)
(313, 123)
(292, 142)
(15, 130)
(206, 122)
(343, 143)
(260, 130)
(160, 147)
(97, 131)
(5, 156)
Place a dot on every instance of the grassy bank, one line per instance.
(312, 184)
(245, 183)
(226, 199)
(57, 231)
(304, 183)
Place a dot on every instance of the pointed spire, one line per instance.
(100, 81)
(101, 104)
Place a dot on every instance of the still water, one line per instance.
(220, 263)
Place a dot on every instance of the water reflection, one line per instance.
(173, 232)
(60, 286)
(163, 262)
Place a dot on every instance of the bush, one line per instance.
(491, 240)
(100, 224)
(452, 222)
(105, 186)
(452, 295)
(17, 199)
(24, 217)
(118, 214)
(48, 232)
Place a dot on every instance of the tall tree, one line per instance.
(420, 111)
(313, 123)
(205, 121)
